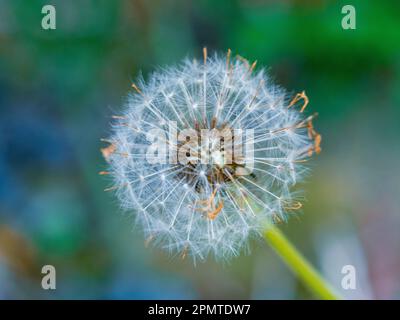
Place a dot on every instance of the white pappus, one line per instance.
(217, 197)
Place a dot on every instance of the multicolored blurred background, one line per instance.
(59, 88)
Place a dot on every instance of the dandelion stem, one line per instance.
(298, 264)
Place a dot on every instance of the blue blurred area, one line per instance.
(59, 88)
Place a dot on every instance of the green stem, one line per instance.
(298, 264)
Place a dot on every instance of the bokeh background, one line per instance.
(59, 88)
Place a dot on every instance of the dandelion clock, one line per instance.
(206, 153)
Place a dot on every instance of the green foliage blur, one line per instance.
(59, 88)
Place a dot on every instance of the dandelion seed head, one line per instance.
(197, 208)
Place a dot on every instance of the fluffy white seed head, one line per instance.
(220, 197)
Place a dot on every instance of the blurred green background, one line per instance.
(58, 89)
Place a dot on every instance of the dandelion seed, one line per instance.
(216, 200)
